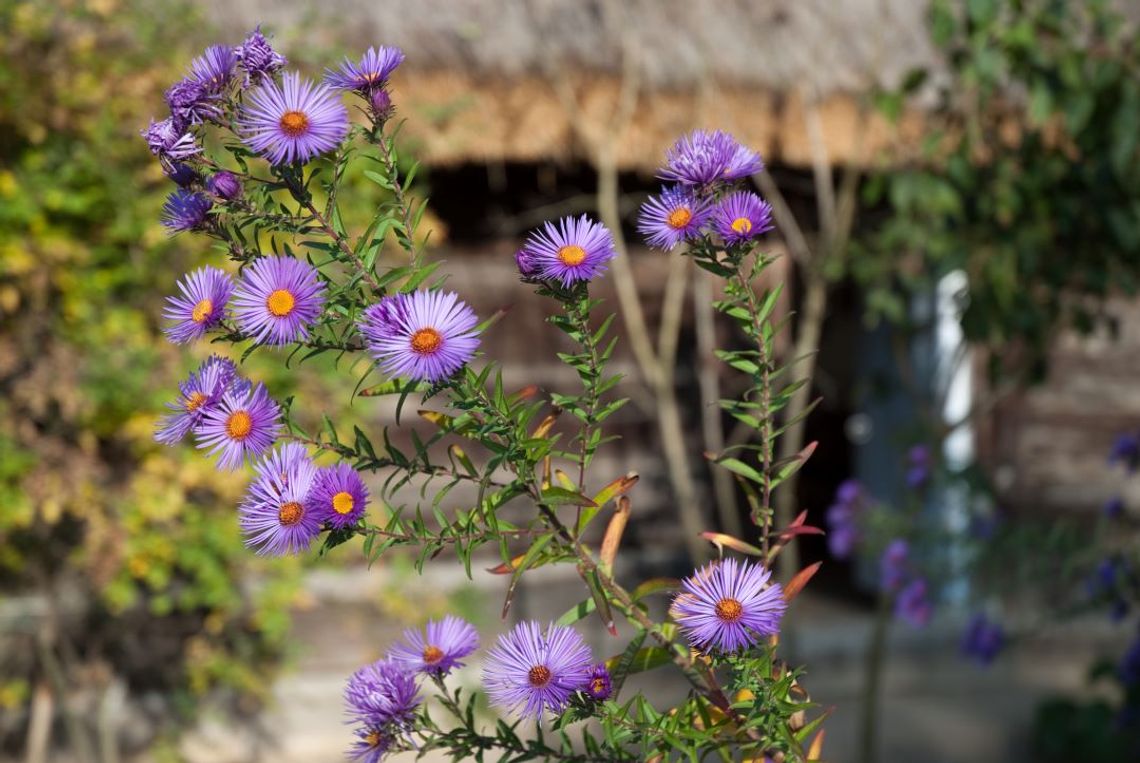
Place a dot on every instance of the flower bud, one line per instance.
(381, 103)
(225, 185)
(182, 174)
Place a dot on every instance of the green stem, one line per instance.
(764, 379)
(872, 681)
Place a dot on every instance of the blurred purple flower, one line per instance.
(913, 604)
(894, 565)
(1125, 450)
(983, 639)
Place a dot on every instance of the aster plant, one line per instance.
(259, 154)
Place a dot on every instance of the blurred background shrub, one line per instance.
(120, 562)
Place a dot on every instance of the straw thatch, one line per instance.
(517, 80)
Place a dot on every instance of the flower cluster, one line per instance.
(278, 300)
(704, 204)
(530, 671)
(228, 416)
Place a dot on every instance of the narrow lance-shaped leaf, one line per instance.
(612, 539)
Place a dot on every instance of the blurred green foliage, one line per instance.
(169, 598)
(1028, 181)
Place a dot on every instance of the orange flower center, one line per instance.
(426, 340)
(281, 302)
(432, 654)
(742, 225)
(571, 255)
(729, 610)
(598, 685)
(539, 675)
(374, 739)
(294, 123)
(202, 311)
(679, 218)
(342, 502)
(194, 401)
(239, 425)
(291, 513)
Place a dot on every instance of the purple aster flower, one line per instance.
(244, 423)
(224, 185)
(367, 75)
(372, 743)
(183, 175)
(382, 694)
(574, 250)
(185, 210)
(258, 58)
(1114, 507)
(339, 496)
(214, 69)
(742, 216)
(729, 605)
(278, 299)
(199, 394)
(438, 649)
(277, 515)
(703, 157)
(1118, 609)
(191, 103)
(672, 217)
(893, 566)
(1125, 450)
(913, 605)
(200, 305)
(742, 163)
(530, 670)
(294, 122)
(166, 141)
(599, 685)
(983, 639)
(425, 335)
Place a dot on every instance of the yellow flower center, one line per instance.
(571, 255)
(432, 654)
(194, 401)
(729, 610)
(679, 218)
(426, 340)
(239, 425)
(742, 225)
(539, 675)
(202, 311)
(294, 123)
(342, 502)
(374, 739)
(281, 302)
(598, 685)
(290, 513)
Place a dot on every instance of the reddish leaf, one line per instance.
(799, 580)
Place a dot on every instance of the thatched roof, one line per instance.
(488, 79)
